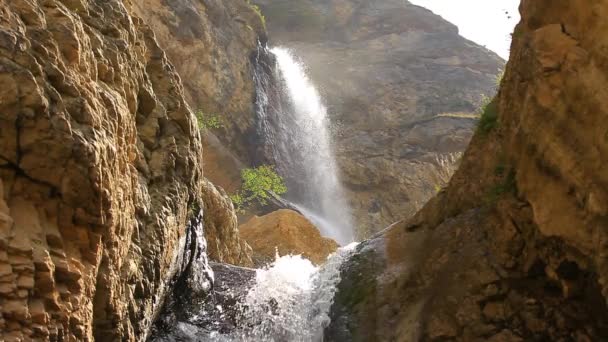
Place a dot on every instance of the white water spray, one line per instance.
(303, 151)
(290, 301)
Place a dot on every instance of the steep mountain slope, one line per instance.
(401, 85)
(515, 248)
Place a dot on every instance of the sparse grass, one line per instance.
(258, 185)
(437, 188)
(206, 121)
(488, 116)
(499, 78)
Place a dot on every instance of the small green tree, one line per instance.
(258, 185)
(208, 121)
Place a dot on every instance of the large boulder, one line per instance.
(286, 232)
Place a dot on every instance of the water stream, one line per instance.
(294, 127)
(289, 300)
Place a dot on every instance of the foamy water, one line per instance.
(290, 301)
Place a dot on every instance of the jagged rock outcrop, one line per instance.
(222, 230)
(100, 165)
(401, 86)
(212, 44)
(285, 232)
(515, 248)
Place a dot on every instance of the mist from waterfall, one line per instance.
(295, 129)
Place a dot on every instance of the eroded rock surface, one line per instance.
(100, 160)
(285, 232)
(401, 86)
(515, 248)
(222, 230)
(212, 44)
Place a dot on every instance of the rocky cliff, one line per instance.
(402, 87)
(515, 248)
(100, 169)
(213, 44)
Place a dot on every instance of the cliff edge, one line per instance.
(515, 247)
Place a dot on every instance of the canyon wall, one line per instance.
(101, 164)
(515, 247)
(402, 87)
(213, 45)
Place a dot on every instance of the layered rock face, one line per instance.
(285, 232)
(515, 248)
(213, 44)
(401, 85)
(221, 228)
(100, 165)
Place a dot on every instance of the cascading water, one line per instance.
(289, 300)
(293, 124)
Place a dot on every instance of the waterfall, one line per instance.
(289, 300)
(294, 127)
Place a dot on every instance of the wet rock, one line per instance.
(217, 312)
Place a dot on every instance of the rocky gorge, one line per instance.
(402, 88)
(116, 221)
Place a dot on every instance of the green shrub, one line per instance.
(258, 185)
(208, 121)
(488, 116)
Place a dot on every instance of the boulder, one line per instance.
(285, 232)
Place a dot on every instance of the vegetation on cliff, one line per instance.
(259, 184)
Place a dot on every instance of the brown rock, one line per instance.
(221, 228)
(494, 311)
(26, 281)
(520, 215)
(85, 184)
(224, 36)
(285, 232)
